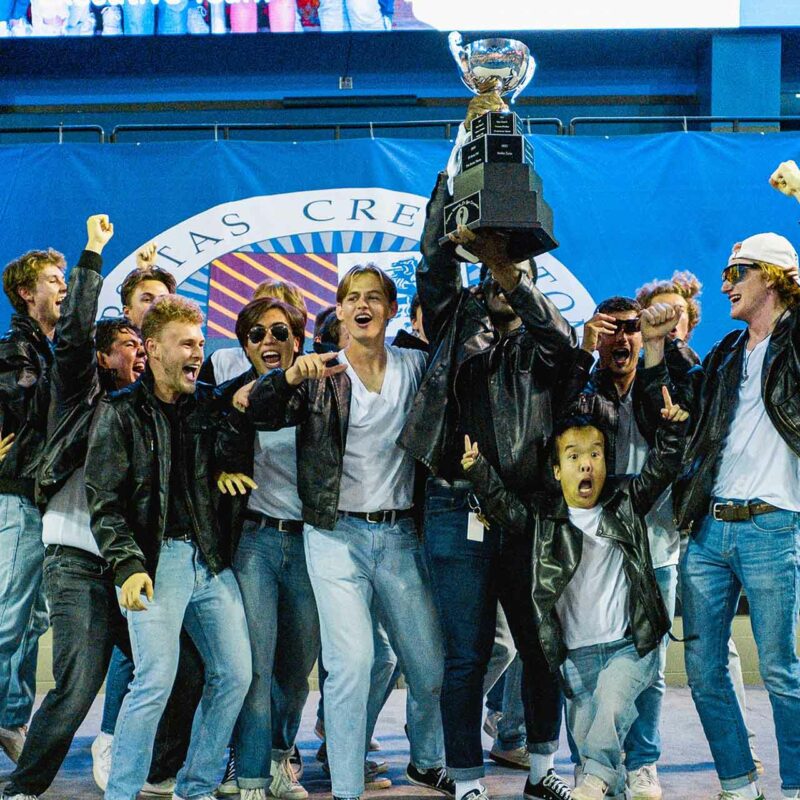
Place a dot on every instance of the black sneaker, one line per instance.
(551, 787)
(228, 785)
(476, 794)
(434, 778)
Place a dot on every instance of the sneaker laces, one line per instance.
(441, 776)
(285, 777)
(230, 769)
(646, 776)
(556, 785)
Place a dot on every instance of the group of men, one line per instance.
(376, 506)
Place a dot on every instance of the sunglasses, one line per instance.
(278, 330)
(735, 273)
(628, 325)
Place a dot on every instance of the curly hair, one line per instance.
(684, 284)
(23, 272)
(169, 308)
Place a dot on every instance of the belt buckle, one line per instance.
(375, 517)
(283, 526)
(715, 510)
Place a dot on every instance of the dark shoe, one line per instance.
(434, 778)
(228, 785)
(551, 787)
(296, 760)
(476, 794)
(322, 753)
(518, 758)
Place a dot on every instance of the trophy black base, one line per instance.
(503, 199)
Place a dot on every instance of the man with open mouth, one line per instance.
(740, 497)
(153, 452)
(362, 548)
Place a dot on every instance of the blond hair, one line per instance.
(23, 272)
(169, 308)
(387, 284)
(786, 287)
(284, 291)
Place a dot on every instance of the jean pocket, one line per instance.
(775, 522)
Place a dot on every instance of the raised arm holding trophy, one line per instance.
(492, 180)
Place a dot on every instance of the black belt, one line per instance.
(281, 525)
(66, 550)
(380, 517)
(739, 512)
(183, 537)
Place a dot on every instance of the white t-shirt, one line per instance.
(229, 363)
(756, 463)
(275, 474)
(376, 473)
(632, 450)
(594, 606)
(66, 520)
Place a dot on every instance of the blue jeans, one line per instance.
(270, 567)
(468, 579)
(118, 678)
(210, 606)
(352, 565)
(762, 556)
(511, 732)
(643, 742)
(604, 681)
(23, 611)
(139, 17)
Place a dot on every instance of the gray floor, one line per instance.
(686, 770)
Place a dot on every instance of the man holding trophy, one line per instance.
(500, 350)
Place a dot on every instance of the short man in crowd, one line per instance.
(499, 352)
(362, 548)
(149, 482)
(627, 390)
(740, 496)
(34, 284)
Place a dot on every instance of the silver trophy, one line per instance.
(496, 186)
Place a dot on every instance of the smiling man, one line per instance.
(151, 456)
(34, 284)
(361, 541)
(740, 497)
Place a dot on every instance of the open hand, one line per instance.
(132, 590)
(599, 324)
(672, 412)
(313, 366)
(470, 456)
(234, 483)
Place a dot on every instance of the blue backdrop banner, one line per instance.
(227, 215)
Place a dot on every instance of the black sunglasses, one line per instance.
(628, 325)
(278, 330)
(736, 272)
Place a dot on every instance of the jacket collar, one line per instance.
(31, 330)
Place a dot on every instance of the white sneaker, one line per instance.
(590, 788)
(164, 788)
(12, 740)
(284, 784)
(20, 27)
(101, 759)
(253, 794)
(112, 21)
(19, 797)
(643, 783)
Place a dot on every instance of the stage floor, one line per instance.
(686, 769)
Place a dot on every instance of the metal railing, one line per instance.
(223, 130)
(58, 130)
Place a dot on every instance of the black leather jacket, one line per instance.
(321, 410)
(557, 543)
(127, 475)
(25, 359)
(602, 399)
(74, 382)
(715, 403)
(526, 366)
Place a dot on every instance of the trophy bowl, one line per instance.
(501, 65)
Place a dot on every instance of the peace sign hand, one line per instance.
(470, 456)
